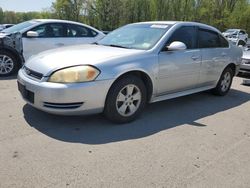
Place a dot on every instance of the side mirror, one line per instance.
(176, 46)
(32, 34)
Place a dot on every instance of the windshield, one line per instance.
(136, 36)
(19, 27)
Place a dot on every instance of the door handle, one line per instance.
(59, 44)
(195, 58)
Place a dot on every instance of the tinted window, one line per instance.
(223, 42)
(208, 39)
(187, 35)
(50, 30)
(80, 31)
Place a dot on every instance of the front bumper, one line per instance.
(65, 99)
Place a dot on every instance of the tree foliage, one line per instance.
(110, 14)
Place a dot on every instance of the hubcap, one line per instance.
(128, 100)
(225, 83)
(6, 64)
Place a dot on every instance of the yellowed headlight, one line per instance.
(75, 75)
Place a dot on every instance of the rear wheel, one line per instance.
(224, 83)
(8, 64)
(126, 99)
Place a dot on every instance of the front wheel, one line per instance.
(8, 64)
(126, 99)
(224, 83)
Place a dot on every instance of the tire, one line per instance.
(8, 64)
(126, 100)
(224, 83)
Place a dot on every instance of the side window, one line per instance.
(80, 31)
(187, 35)
(223, 42)
(208, 39)
(50, 30)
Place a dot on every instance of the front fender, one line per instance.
(147, 65)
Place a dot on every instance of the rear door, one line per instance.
(215, 55)
(180, 70)
(78, 34)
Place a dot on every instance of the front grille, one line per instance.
(63, 105)
(247, 70)
(32, 73)
(28, 95)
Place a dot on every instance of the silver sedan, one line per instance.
(134, 65)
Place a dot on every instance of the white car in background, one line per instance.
(43, 34)
(237, 36)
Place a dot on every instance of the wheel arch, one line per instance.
(147, 80)
(232, 66)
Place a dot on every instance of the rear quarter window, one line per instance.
(223, 42)
(80, 31)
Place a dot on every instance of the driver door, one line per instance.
(180, 70)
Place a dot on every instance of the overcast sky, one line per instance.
(25, 5)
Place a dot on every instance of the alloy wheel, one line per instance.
(6, 64)
(226, 81)
(128, 100)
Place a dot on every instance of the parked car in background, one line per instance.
(245, 66)
(237, 36)
(5, 26)
(11, 49)
(44, 34)
(133, 65)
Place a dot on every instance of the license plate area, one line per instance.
(28, 95)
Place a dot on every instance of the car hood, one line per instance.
(49, 61)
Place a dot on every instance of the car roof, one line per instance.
(63, 21)
(180, 23)
(159, 22)
(54, 20)
(7, 24)
(236, 29)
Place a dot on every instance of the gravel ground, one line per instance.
(195, 141)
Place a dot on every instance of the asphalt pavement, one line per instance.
(199, 140)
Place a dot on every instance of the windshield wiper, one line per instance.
(117, 46)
